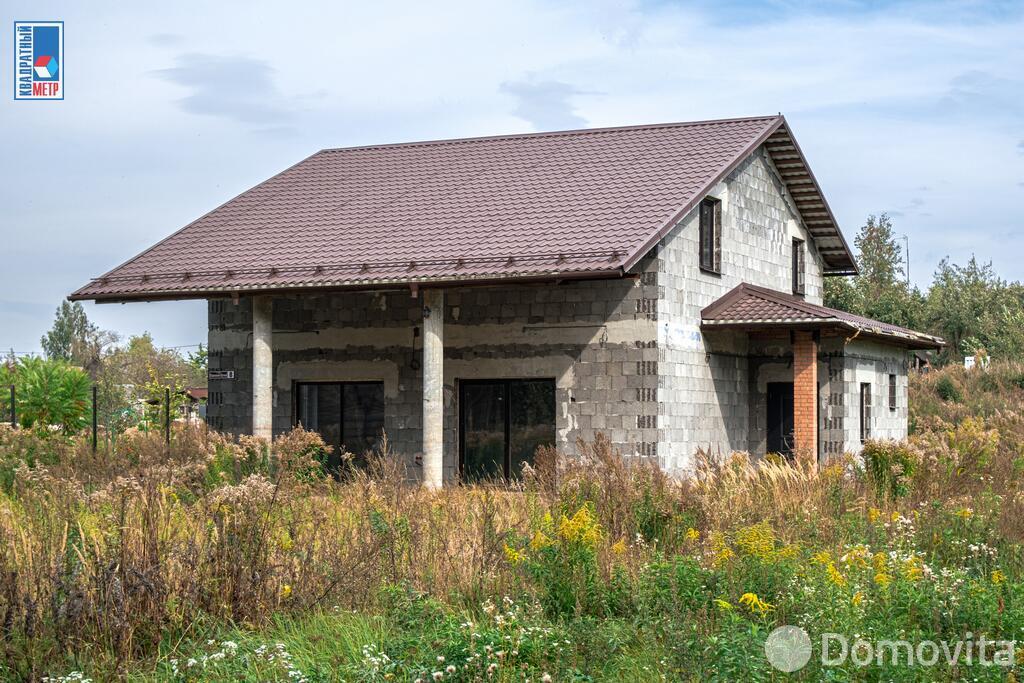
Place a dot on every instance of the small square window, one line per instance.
(799, 266)
(892, 392)
(711, 235)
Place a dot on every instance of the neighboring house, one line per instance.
(477, 298)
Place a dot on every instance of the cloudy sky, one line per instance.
(913, 108)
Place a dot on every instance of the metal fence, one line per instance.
(166, 411)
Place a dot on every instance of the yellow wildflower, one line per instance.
(913, 568)
(723, 605)
(824, 558)
(757, 540)
(857, 598)
(755, 604)
(835, 576)
(874, 514)
(539, 541)
(895, 516)
(692, 535)
(998, 577)
(857, 557)
(580, 528)
(964, 513)
(879, 562)
(882, 579)
(286, 591)
(619, 547)
(512, 555)
(788, 551)
(721, 552)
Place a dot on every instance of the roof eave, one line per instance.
(917, 341)
(852, 269)
(666, 227)
(201, 293)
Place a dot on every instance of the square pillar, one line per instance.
(805, 394)
(262, 368)
(433, 388)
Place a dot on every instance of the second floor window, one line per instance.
(799, 266)
(711, 235)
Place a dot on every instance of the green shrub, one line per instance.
(49, 393)
(561, 559)
(889, 466)
(948, 390)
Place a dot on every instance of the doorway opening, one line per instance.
(780, 421)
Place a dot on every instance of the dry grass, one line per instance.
(107, 553)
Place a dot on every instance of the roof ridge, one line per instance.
(551, 133)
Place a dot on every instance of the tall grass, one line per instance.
(117, 560)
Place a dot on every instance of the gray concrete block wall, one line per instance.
(704, 398)
(871, 362)
(597, 340)
(229, 406)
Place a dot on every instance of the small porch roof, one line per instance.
(751, 307)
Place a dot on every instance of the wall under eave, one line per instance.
(596, 339)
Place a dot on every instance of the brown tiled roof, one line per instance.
(751, 306)
(575, 203)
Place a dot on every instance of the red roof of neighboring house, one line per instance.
(550, 205)
(751, 306)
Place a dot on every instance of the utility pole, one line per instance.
(906, 257)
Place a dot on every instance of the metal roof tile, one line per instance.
(573, 203)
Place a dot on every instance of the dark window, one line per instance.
(501, 425)
(348, 415)
(799, 257)
(865, 412)
(711, 235)
(892, 392)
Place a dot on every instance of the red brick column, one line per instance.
(805, 394)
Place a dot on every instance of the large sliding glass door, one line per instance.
(502, 422)
(348, 415)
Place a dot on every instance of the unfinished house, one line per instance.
(477, 298)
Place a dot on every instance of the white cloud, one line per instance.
(884, 99)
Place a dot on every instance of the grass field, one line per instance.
(224, 561)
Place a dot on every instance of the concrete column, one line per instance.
(433, 387)
(805, 394)
(262, 367)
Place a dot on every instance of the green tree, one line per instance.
(76, 340)
(199, 361)
(134, 378)
(50, 393)
(976, 311)
(880, 290)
